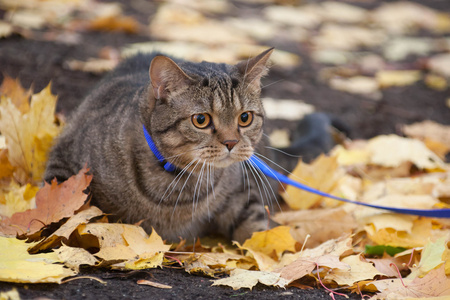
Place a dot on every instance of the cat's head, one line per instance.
(206, 112)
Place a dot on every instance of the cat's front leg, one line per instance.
(244, 214)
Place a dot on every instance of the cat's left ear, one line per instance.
(253, 69)
(166, 77)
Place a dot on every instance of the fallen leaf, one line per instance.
(440, 64)
(406, 150)
(361, 85)
(359, 270)
(95, 66)
(389, 78)
(285, 109)
(273, 242)
(74, 257)
(436, 82)
(29, 135)
(10, 295)
(320, 225)
(53, 203)
(434, 284)
(12, 89)
(19, 266)
(16, 198)
(6, 29)
(322, 174)
(63, 233)
(115, 23)
(432, 257)
(153, 284)
(248, 279)
(429, 130)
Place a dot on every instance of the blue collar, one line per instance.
(167, 165)
(268, 171)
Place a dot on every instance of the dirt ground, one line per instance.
(37, 62)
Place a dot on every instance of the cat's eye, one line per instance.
(201, 120)
(245, 119)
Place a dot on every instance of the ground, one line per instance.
(37, 62)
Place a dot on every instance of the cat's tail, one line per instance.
(315, 134)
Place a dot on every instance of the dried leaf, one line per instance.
(389, 78)
(154, 284)
(53, 203)
(272, 242)
(285, 109)
(19, 266)
(322, 174)
(359, 271)
(248, 279)
(29, 135)
(433, 256)
(115, 23)
(73, 257)
(434, 284)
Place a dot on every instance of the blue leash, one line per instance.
(268, 171)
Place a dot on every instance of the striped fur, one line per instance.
(213, 189)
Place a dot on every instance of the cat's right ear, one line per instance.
(166, 77)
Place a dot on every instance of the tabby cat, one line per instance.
(206, 119)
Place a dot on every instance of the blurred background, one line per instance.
(377, 65)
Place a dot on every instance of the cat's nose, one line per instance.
(230, 144)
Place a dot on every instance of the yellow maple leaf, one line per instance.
(248, 279)
(29, 135)
(272, 242)
(322, 174)
(17, 198)
(417, 237)
(17, 265)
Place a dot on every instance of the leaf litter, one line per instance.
(413, 175)
(79, 235)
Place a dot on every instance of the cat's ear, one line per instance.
(253, 69)
(166, 77)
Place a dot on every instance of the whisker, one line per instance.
(175, 182)
(265, 184)
(182, 188)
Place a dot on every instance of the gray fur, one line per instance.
(219, 192)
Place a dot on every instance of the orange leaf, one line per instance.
(53, 203)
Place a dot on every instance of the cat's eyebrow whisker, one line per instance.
(279, 166)
(264, 86)
(283, 152)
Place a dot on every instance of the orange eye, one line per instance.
(201, 120)
(245, 119)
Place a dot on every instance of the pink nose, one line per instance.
(230, 144)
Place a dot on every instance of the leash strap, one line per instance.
(268, 171)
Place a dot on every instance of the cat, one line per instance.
(206, 120)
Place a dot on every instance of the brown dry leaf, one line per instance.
(240, 278)
(273, 242)
(359, 270)
(29, 135)
(153, 284)
(322, 174)
(320, 224)
(64, 232)
(115, 23)
(434, 284)
(53, 203)
(124, 242)
(431, 133)
(13, 90)
(73, 257)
